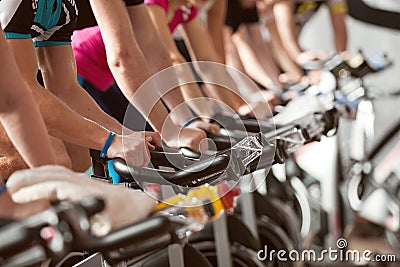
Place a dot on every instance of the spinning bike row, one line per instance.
(222, 207)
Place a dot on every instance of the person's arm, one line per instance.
(19, 114)
(256, 56)
(158, 59)
(60, 120)
(125, 59)
(263, 53)
(340, 30)
(130, 70)
(64, 123)
(285, 22)
(221, 80)
(201, 48)
(184, 73)
(60, 59)
(215, 25)
(291, 69)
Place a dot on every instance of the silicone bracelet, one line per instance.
(106, 146)
(190, 122)
(3, 187)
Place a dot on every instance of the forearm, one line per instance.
(251, 62)
(281, 55)
(166, 80)
(19, 115)
(263, 52)
(26, 129)
(60, 59)
(81, 102)
(215, 24)
(65, 124)
(146, 99)
(340, 31)
(190, 89)
(220, 83)
(283, 13)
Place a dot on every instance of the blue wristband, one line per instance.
(106, 146)
(190, 122)
(3, 188)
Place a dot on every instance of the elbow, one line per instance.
(123, 60)
(176, 59)
(118, 61)
(202, 69)
(209, 70)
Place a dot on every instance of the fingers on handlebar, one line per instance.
(154, 138)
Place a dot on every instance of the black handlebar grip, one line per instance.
(187, 152)
(133, 234)
(201, 171)
(167, 157)
(92, 205)
(250, 124)
(30, 257)
(13, 237)
(253, 125)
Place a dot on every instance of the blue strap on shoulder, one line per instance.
(107, 145)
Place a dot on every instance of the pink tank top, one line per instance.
(91, 59)
(184, 14)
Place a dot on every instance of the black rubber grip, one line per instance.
(167, 157)
(135, 233)
(13, 237)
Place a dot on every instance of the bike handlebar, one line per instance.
(23, 241)
(198, 172)
(16, 235)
